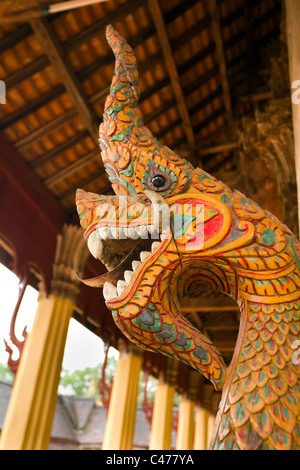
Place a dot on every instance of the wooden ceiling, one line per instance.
(199, 62)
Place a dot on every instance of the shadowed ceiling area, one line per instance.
(201, 68)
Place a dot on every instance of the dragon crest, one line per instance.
(171, 230)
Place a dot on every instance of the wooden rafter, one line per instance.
(57, 57)
(172, 70)
(220, 51)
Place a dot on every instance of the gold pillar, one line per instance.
(292, 8)
(162, 417)
(185, 430)
(204, 419)
(210, 427)
(119, 429)
(201, 429)
(30, 413)
(214, 403)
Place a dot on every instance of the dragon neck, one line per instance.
(260, 404)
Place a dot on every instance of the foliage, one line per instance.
(81, 383)
(6, 374)
(85, 383)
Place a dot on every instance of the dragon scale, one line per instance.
(216, 239)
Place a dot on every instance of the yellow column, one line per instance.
(210, 427)
(185, 430)
(292, 8)
(120, 421)
(201, 427)
(30, 413)
(214, 404)
(162, 418)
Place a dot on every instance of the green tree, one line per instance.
(6, 374)
(80, 383)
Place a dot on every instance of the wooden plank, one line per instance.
(222, 327)
(45, 129)
(218, 147)
(212, 308)
(75, 166)
(220, 51)
(158, 19)
(26, 71)
(60, 62)
(32, 106)
(293, 37)
(58, 149)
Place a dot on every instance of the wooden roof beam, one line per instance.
(60, 63)
(220, 51)
(158, 19)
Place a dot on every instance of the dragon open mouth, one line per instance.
(122, 256)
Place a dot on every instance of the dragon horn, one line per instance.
(126, 73)
(122, 121)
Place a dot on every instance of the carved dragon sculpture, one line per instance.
(172, 229)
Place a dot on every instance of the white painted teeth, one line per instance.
(128, 275)
(95, 245)
(103, 232)
(142, 231)
(132, 233)
(109, 291)
(144, 255)
(135, 265)
(163, 235)
(121, 286)
(154, 246)
(151, 229)
(121, 233)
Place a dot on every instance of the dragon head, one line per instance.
(163, 234)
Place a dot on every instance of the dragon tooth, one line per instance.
(132, 233)
(115, 232)
(144, 255)
(95, 245)
(103, 232)
(163, 235)
(151, 228)
(121, 285)
(128, 275)
(135, 265)
(142, 231)
(154, 246)
(122, 234)
(109, 291)
(153, 232)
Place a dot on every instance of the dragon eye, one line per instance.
(158, 181)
